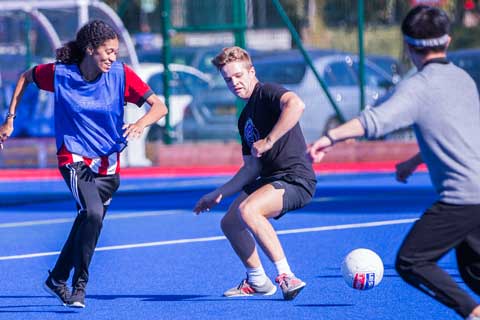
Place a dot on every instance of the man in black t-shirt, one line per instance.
(276, 176)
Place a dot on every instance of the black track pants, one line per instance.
(441, 228)
(92, 193)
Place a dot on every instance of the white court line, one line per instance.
(108, 217)
(349, 226)
(216, 238)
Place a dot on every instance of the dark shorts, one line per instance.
(298, 191)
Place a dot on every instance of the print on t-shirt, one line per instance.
(250, 133)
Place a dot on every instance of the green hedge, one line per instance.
(465, 38)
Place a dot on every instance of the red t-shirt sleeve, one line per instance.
(136, 91)
(43, 75)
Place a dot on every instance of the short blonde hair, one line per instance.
(232, 54)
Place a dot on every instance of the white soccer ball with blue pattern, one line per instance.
(362, 269)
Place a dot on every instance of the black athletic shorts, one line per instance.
(298, 191)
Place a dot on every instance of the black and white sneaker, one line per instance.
(77, 299)
(58, 289)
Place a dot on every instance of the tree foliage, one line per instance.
(377, 12)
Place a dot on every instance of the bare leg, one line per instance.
(240, 238)
(251, 213)
(255, 210)
(248, 216)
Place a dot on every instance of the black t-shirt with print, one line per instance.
(259, 116)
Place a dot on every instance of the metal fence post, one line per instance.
(240, 18)
(166, 27)
(361, 53)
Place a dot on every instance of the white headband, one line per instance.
(434, 42)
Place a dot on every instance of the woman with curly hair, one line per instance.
(91, 89)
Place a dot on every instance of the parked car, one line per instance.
(339, 72)
(186, 82)
(192, 56)
(469, 60)
(213, 115)
(35, 112)
(199, 57)
(389, 64)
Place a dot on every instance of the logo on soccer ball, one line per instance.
(364, 281)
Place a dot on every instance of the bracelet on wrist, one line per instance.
(329, 137)
(11, 115)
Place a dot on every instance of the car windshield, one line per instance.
(373, 77)
(339, 74)
(286, 72)
(388, 64)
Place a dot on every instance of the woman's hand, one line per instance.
(6, 130)
(132, 131)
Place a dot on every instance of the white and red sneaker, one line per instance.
(290, 285)
(245, 289)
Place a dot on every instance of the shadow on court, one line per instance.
(324, 305)
(148, 297)
(30, 308)
(189, 298)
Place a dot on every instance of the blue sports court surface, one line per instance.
(157, 260)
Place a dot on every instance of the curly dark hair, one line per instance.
(92, 35)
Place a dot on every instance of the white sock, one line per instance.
(256, 276)
(283, 267)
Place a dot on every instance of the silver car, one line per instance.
(339, 71)
(213, 115)
(185, 83)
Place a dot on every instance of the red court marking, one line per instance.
(150, 172)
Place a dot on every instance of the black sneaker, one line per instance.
(77, 299)
(57, 289)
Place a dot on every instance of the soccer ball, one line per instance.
(362, 269)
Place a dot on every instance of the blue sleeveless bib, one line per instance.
(89, 115)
